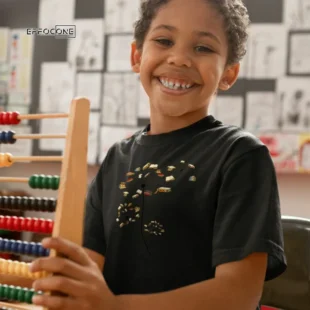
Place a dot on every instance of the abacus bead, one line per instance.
(55, 182)
(2, 290)
(8, 222)
(6, 291)
(7, 245)
(23, 223)
(6, 118)
(3, 137)
(15, 245)
(13, 293)
(30, 224)
(2, 221)
(14, 118)
(20, 247)
(21, 294)
(2, 242)
(27, 248)
(2, 202)
(28, 296)
(36, 225)
(32, 181)
(10, 137)
(36, 249)
(5, 160)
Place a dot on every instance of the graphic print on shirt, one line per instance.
(142, 179)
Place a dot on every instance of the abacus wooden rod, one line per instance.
(42, 116)
(36, 158)
(14, 179)
(39, 136)
(20, 306)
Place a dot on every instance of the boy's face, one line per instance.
(183, 60)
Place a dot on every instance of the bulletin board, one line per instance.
(40, 74)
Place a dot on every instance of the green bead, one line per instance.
(21, 295)
(32, 181)
(39, 181)
(6, 291)
(1, 290)
(28, 296)
(55, 182)
(13, 293)
(46, 182)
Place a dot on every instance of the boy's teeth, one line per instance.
(174, 85)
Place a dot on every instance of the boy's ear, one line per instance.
(135, 58)
(229, 77)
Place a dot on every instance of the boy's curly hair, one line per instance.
(235, 17)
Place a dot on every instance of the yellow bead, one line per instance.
(6, 160)
(11, 268)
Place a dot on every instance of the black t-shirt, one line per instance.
(166, 209)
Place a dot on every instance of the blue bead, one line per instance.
(7, 245)
(3, 137)
(47, 252)
(20, 248)
(27, 248)
(33, 248)
(10, 137)
(14, 246)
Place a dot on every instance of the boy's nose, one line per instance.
(179, 58)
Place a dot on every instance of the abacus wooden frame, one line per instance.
(68, 221)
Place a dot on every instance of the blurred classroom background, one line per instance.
(271, 99)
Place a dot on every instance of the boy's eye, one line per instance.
(203, 49)
(164, 42)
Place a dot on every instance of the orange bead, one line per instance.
(6, 160)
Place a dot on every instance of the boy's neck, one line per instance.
(163, 124)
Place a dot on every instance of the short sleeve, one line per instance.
(248, 217)
(93, 234)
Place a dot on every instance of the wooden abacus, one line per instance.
(68, 207)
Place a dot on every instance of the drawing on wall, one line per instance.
(121, 15)
(88, 84)
(120, 107)
(304, 152)
(56, 87)
(4, 44)
(85, 52)
(284, 150)
(118, 59)
(229, 110)
(56, 12)
(299, 62)
(297, 14)
(93, 137)
(295, 96)
(260, 111)
(267, 51)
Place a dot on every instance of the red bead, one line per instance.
(6, 118)
(2, 221)
(16, 223)
(29, 224)
(1, 118)
(8, 222)
(14, 120)
(22, 223)
(36, 225)
(50, 226)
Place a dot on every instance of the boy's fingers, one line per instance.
(70, 287)
(55, 302)
(67, 248)
(60, 266)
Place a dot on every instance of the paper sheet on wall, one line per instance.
(143, 103)
(110, 135)
(299, 62)
(267, 51)
(4, 83)
(229, 110)
(294, 100)
(260, 111)
(121, 15)
(297, 14)
(56, 127)
(89, 85)
(284, 149)
(4, 44)
(119, 53)
(56, 12)
(57, 87)
(304, 153)
(85, 52)
(23, 147)
(120, 99)
(93, 137)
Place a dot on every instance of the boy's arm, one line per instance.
(236, 286)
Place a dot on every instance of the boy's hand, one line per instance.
(78, 277)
